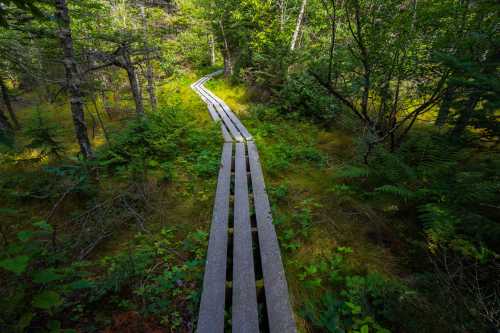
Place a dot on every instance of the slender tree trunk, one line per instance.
(211, 46)
(73, 80)
(282, 13)
(295, 36)
(8, 104)
(444, 109)
(101, 122)
(149, 66)
(5, 125)
(136, 90)
(134, 84)
(465, 115)
(228, 63)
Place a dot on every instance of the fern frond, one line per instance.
(352, 171)
(397, 191)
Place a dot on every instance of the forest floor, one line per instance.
(315, 226)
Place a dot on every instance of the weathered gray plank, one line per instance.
(211, 109)
(277, 301)
(243, 130)
(211, 315)
(225, 134)
(237, 122)
(212, 112)
(245, 316)
(229, 125)
(227, 122)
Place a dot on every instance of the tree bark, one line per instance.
(211, 45)
(299, 25)
(282, 13)
(228, 63)
(8, 104)
(124, 61)
(73, 79)
(5, 125)
(149, 66)
(465, 115)
(136, 89)
(444, 109)
(134, 86)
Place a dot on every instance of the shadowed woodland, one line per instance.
(377, 123)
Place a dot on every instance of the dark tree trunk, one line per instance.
(134, 86)
(8, 104)
(124, 61)
(228, 63)
(73, 78)
(149, 66)
(465, 116)
(444, 109)
(5, 125)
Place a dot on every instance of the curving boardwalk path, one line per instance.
(244, 276)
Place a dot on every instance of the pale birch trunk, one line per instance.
(211, 46)
(296, 33)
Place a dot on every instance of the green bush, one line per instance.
(451, 187)
(351, 301)
(43, 288)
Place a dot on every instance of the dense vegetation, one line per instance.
(377, 124)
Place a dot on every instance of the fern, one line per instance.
(397, 191)
(439, 224)
(349, 172)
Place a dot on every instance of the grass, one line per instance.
(181, 204)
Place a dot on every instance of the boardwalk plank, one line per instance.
(278, 306)
(227, 122)
(212, 112)
(244, 316)
(237, 123)
(229, 125)
(211, 317)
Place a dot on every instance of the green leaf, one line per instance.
(24, 321)
(43, 225)
(46, 276)
(24, 235)
(47, 300)
(80, 284)
(365, 329)
(16, 265)
(355, 309)
(54, 325)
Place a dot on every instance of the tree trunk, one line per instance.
(228, 64)
(73, 80)
(5, 125)
(101, 122)
(211, 45)
(149, 66)
(299, 25)
(282, 13)
(8, 104)
(134, 85)
(465, 115)
(444, 109)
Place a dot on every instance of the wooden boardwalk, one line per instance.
(240, 253)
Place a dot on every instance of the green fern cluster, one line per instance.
(455, 189)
